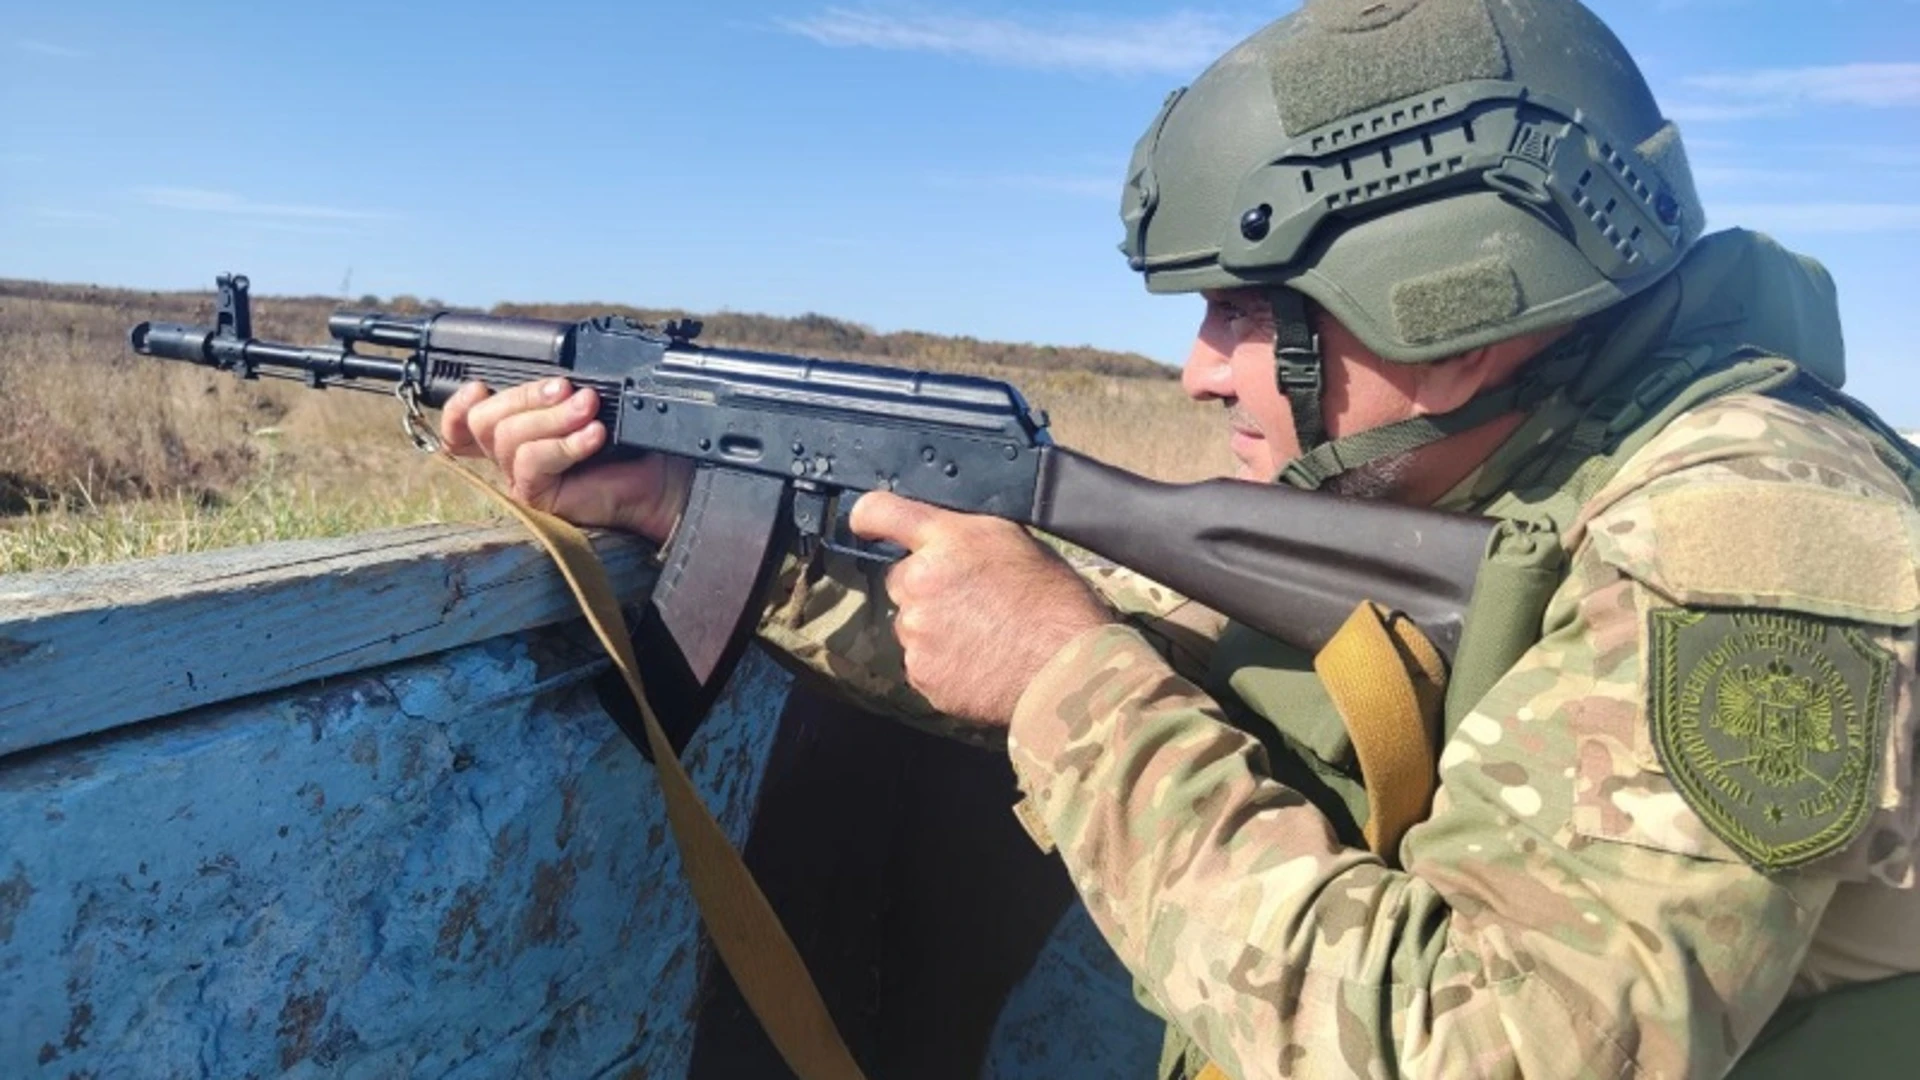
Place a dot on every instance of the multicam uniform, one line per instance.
(1688, 802)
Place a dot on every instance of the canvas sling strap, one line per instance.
(1388, 683)
(747, 934)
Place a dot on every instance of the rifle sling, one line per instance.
(747, 934)
(1388, 683)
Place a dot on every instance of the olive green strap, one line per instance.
(1556, 366)
(1328, 460)
(745, 931)
(1299, 366)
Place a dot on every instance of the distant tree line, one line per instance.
(807, 335)
(823, 335)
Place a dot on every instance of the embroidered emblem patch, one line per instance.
(1771, 725)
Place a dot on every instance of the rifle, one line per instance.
(783, 445)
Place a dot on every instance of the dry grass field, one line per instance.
(106, 455)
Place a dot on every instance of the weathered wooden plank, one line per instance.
(82, 651)
(1074, 1014)
(452, 866)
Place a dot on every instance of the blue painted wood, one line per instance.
(86, 650)
(1074, 1016)
(451, 866)
(439, 859)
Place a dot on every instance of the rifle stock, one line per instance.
(1291, 564)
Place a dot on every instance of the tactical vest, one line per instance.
(1741, 315)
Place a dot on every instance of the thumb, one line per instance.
(882, 515)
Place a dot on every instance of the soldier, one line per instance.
(1451, 255)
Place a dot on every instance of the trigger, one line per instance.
(885, 552)
(841, 541)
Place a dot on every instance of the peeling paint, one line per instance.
(461, 920)
(366, 749)
(299, 1017)
(546, 919)
(569, 815)
(15, 891)
(12, 650)
(79, 1019)
(452, 866)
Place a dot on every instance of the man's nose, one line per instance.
(1207, 374)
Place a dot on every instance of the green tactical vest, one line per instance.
(1726, 322)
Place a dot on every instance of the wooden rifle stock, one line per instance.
(1291, 564)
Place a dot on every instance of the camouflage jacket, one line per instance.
(1567, 909)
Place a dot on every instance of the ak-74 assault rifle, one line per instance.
(783, 445)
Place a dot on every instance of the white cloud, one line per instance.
(1179, 44)
(47, 48)
(225, 202)
(1821, 217)
(1875, 86)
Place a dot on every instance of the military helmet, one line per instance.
(1436, 174)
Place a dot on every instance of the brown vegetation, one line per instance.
(106, 454)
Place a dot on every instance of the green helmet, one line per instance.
(1436, 174)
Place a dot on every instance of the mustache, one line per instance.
(1240, 419)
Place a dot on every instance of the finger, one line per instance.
(455, 435)
(882, 515)
(487, 415)
(899, 581)
(552, 422)
(538, 465)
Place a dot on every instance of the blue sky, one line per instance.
(946, 165)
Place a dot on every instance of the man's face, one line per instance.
(1232, 362)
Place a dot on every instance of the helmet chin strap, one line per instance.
(1301, 369)
(1299, 365)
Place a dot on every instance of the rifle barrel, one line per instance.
(205, 345)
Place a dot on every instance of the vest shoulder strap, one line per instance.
(1527, 562)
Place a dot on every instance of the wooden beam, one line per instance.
(82, 651)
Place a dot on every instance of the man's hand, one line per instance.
(982, 605)
(539, 431)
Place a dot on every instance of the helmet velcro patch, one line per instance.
(1455, 301)
(1344, 61)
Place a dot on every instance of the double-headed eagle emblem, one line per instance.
(1782, 716)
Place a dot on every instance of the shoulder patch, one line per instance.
(1772, 726)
